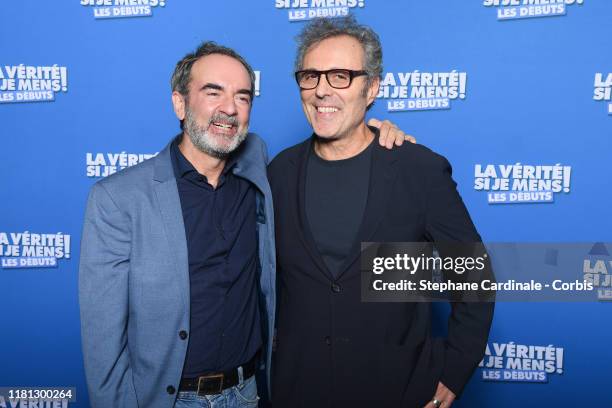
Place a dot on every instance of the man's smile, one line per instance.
(327, 109)
(223, 127)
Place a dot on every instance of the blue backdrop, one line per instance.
(84, 91)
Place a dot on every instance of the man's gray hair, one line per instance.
(182, 73)
(320, 29)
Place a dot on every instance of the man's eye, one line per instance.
(310, 75)
(212, 93)
(340, 75)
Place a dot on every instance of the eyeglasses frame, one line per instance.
(352, 74)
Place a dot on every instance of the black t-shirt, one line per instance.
(336, 195)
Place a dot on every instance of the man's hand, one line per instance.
(443, 395)
(390, 134)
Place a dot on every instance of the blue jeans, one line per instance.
(243, 395)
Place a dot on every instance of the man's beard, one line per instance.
(205, 142)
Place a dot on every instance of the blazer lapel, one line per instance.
(383, 174)
(169, 203)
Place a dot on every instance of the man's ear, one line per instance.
(373, 90)
(178, 102)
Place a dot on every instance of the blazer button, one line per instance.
(183, 334)
(336, 288)
(170, 389)
(328, 340)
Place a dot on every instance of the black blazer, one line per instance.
(332, 349)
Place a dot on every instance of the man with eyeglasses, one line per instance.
(333, 191)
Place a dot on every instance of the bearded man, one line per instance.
(177, 259)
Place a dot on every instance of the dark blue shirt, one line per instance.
(221, 232)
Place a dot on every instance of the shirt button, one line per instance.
(183, 334)
(170, 389)
(328, 340)
(336, 288)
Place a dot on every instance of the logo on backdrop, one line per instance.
(520, 9)
(302, 10)
(32, 250)
(521, 183)
(122, 8)
(603, 89)
(31, 83)
(520, 362)
(414, 91)
(257, 82)
(597, 269)
(105, 164)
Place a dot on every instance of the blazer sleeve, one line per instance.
(103, 297)
(469, 323)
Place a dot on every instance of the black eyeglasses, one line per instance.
(336, 78)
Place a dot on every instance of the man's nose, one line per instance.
(323, 87)
(228, 105)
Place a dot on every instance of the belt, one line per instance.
(214, 383)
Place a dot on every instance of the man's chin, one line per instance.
(222, 141)
(224, 145)
(325, 135)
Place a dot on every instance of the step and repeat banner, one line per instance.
(517, 94)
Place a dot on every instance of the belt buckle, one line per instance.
(203, 379)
